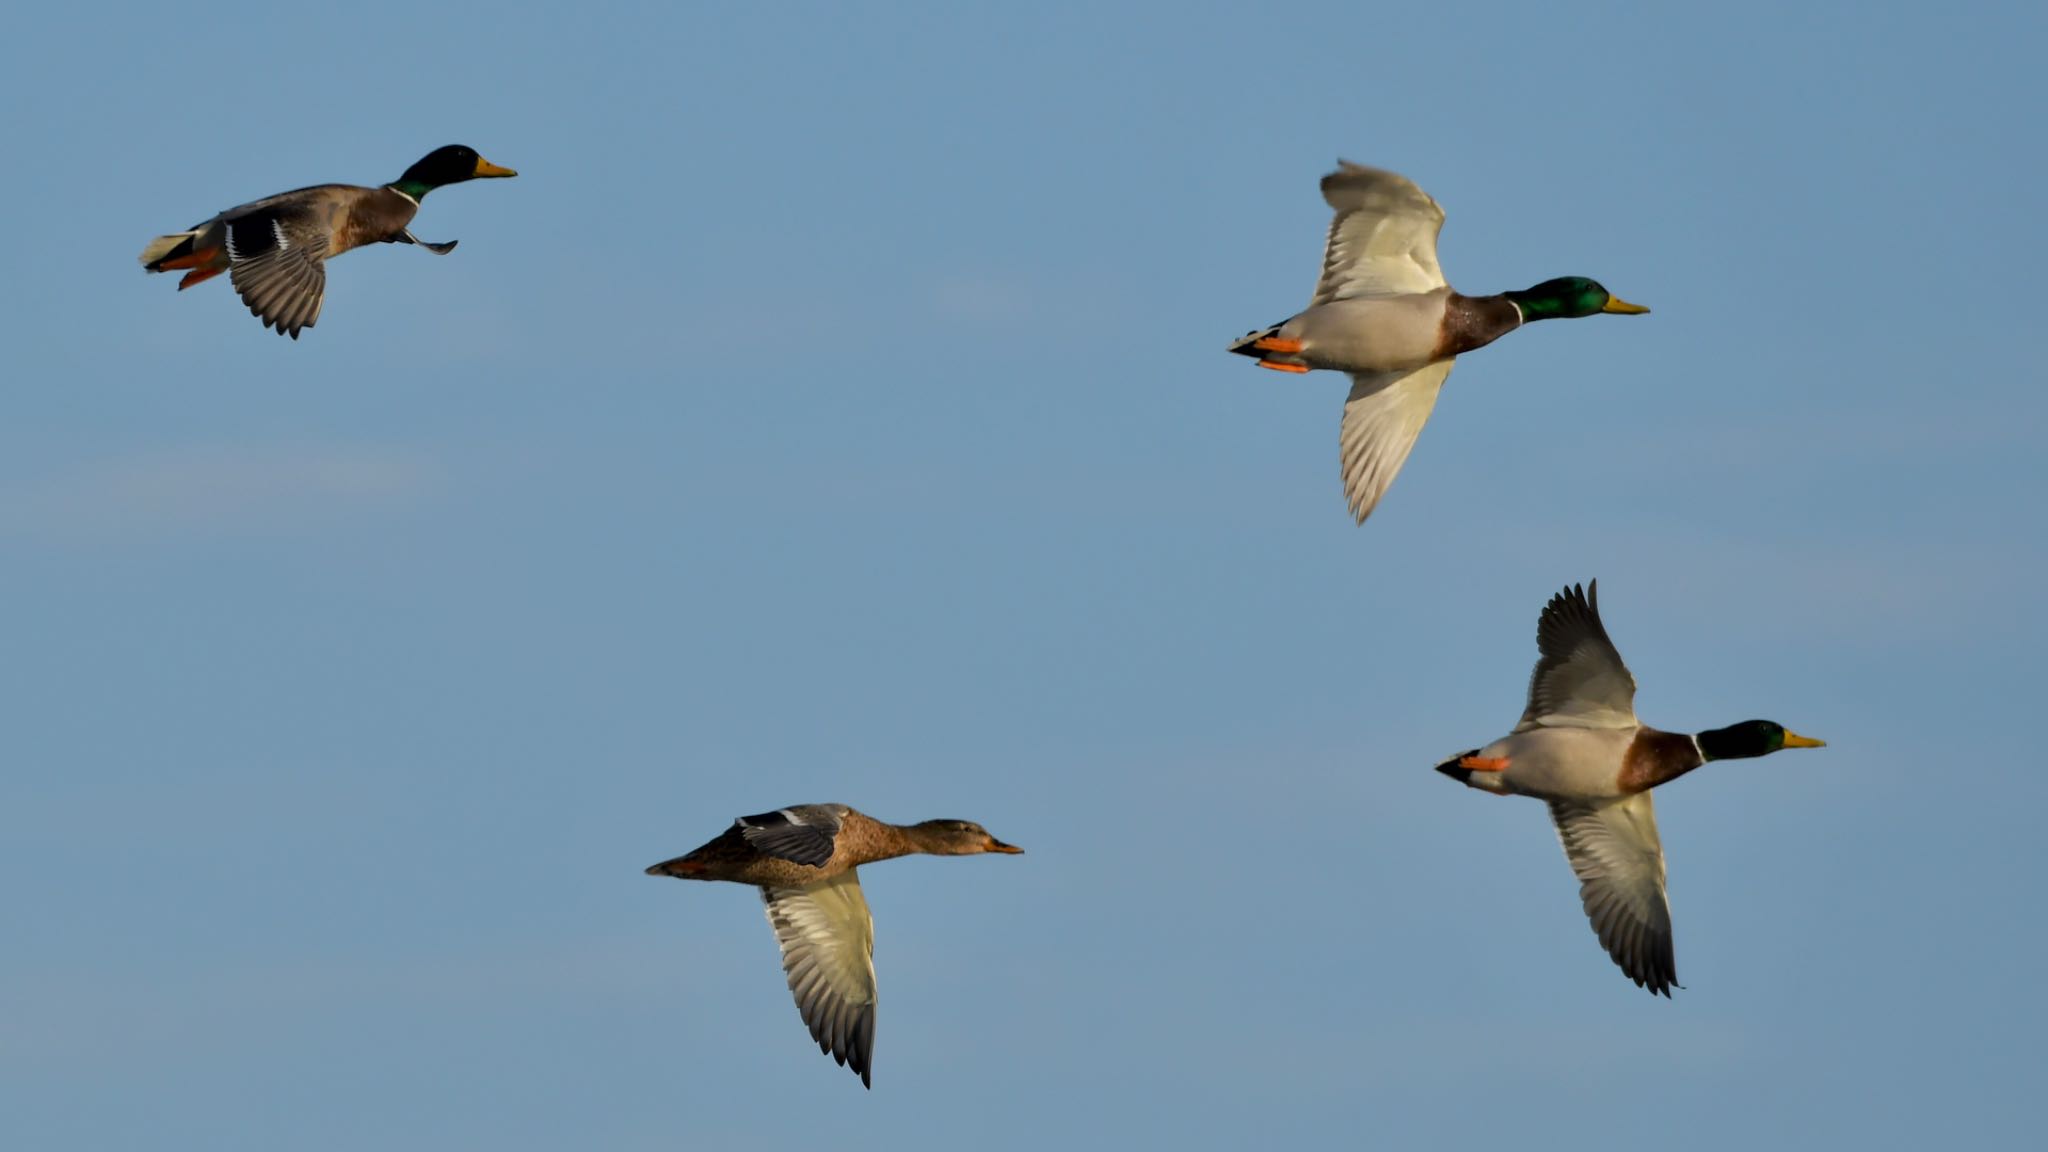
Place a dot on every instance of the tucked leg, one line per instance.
(1278, 344)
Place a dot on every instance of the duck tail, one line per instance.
(167, 248)
(1244, 346)
(1455, 769)
(681, 866)
(1272, 350)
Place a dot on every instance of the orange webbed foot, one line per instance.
(1484, 763)
(198, 276)
(1278, 344)
(1279, 366)
(197, 258)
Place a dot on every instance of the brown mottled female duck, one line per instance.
(1580, 748)
(275, 249)
(1383, 313)
(804, 860)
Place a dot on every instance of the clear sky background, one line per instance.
(835, 409)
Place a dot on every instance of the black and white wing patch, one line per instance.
(276, 260)
(1579, 679)
(802, 835)
(828, 947)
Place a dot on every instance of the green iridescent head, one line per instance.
(450, 164)
(1568, 297)
(1749, 739)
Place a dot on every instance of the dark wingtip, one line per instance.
(1658, 983)
(1572, 595)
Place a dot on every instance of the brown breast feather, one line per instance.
(371, 215)
(1655, 757)
(1474, 322)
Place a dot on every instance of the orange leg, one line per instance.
(1277, 344)
(1277, 366)
(198, 276)
(197, 258)
(1484, 763)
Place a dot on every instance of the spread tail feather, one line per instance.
(166, 248)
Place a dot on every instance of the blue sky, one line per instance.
(835, 409)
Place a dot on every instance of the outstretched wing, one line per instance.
(1579, 680)
(1382, 418)
(828, 947)
(1382, 240)
(1613, 847)
(277, 252)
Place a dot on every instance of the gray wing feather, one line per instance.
(1619, 860)
(1579, 679)
(828, 947)
(806, 834)
(1382, 418)
(1382, 240)
(276, 261)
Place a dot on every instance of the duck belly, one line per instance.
(1563, 763)
(1385, 334)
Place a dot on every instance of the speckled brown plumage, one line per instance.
(804, 859)
(859, 839)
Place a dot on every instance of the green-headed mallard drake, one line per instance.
(275, 249)
(1580, 748)
(804, 860)
(1383, 313)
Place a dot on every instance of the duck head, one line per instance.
(1569, 297)
(957, 838)
(450, 164)
(1750, 739)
